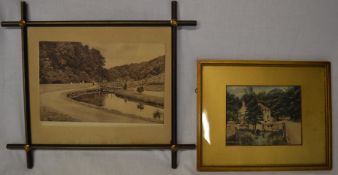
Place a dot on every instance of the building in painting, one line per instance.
(266, 113)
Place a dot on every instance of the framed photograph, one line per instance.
(94, 85)
(100, 85)
(263, 115)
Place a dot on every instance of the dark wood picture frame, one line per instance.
(29, 147)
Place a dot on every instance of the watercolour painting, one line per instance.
(263, 115)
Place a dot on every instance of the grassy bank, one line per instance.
(47, 114)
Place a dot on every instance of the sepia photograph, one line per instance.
(263, 115)
(101, 82)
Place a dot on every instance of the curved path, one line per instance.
(59, 102)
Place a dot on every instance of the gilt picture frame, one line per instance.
(250, 120)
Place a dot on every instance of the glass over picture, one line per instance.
(101, 82)
(263, 115)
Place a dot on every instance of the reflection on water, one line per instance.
(93, 98)
(111, 101)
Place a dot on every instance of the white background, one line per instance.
(231, 29)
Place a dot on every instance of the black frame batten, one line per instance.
(173, 83)
(23, 23)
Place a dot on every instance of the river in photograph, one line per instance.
(113, 102)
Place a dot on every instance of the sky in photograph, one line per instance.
(239, 91)
(117, 54)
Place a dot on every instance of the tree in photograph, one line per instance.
(141, 85)
(70, 62)
(125, 85)
(138, 71)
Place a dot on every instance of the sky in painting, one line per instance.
(239, 91)
(117, 54)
